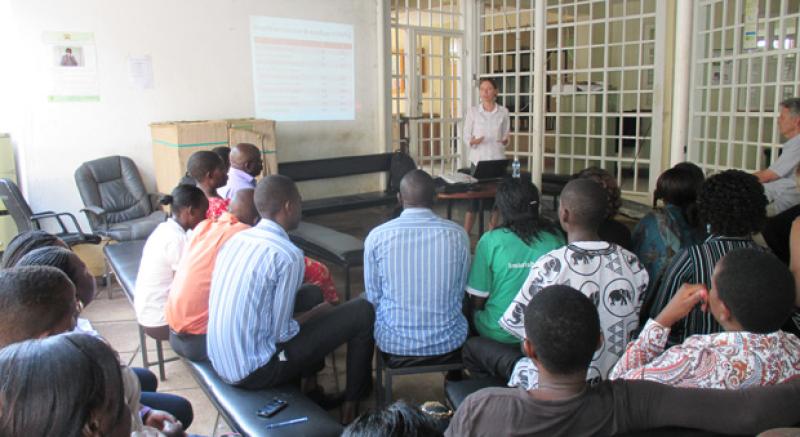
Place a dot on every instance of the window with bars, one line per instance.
(738, 82)
(506, 55)
(601, 77)
(426, 40)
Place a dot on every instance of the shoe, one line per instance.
(326, 401)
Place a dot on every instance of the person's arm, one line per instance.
(766, 175)
(372, 278)
(794, 261)
(289, 277)
(469, 128)
(645, 357)
(479, 285)
(513, 318)
(749, 411)
(505, 130)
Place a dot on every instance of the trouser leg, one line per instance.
(484, 357)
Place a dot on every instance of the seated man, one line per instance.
(415, 270)
(253, 341)
(611, 276)
(752, 295)
(187, 303)
(779, 182)
(561, 343)
(246, 164)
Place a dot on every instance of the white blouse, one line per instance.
(493, 126)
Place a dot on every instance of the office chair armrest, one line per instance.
(95, 212)
(58, 215)
(155, 199)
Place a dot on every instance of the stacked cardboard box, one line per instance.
(174, 142)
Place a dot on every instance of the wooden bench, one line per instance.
(237, 406)
(318, 169)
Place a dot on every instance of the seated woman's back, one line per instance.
(504, 256)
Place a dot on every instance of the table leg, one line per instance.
(480, 218)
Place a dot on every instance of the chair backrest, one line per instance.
(114, 184)
(16, 205)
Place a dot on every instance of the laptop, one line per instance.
(491, 170)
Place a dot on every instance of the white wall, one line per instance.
(202, 69)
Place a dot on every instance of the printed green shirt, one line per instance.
(501, 264)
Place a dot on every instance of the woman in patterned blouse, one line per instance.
(752, 295)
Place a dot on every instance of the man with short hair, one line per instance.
(779, 180)
(187, 303)
(415, 270)
(611, 276)
(253, 340)
(752, 295)
(35, 302)
(246, 164)
(562, 332)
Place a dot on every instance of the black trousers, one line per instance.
(351, 323)
(484, 357)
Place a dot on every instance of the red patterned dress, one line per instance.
(316, 272)
(216, 206)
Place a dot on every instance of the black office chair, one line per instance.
(116, 202)
(27, 220)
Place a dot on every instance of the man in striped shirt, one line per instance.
(256, 338)
(415, 270)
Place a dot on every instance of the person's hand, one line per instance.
(795, 234)
(164, 422)
(684, 300)
(505, 139)
(475, 141)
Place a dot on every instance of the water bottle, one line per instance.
(515, 169)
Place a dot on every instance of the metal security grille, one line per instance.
(506, 55)
(603, 95)
(427, 49)
(602, 83)
(744, 65)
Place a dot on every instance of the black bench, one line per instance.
(330, 168)
(237, 406)
(326, 244)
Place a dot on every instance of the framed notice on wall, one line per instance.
(71, 61)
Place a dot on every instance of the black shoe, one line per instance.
(326, 401)
(454, 375)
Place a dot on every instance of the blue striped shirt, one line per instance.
(415, 270)
(253, 287)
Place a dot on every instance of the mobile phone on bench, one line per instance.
(272, 408)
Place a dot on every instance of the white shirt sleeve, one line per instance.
(469, 120)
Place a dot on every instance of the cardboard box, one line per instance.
(175, 142)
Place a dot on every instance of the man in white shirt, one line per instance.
(779, 181)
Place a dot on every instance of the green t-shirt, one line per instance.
(501, 264)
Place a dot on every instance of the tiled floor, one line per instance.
(114, 319)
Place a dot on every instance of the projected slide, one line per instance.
(302, 70)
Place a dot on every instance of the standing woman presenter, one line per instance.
(486, 132)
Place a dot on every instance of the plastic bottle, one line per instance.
(515, 169)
